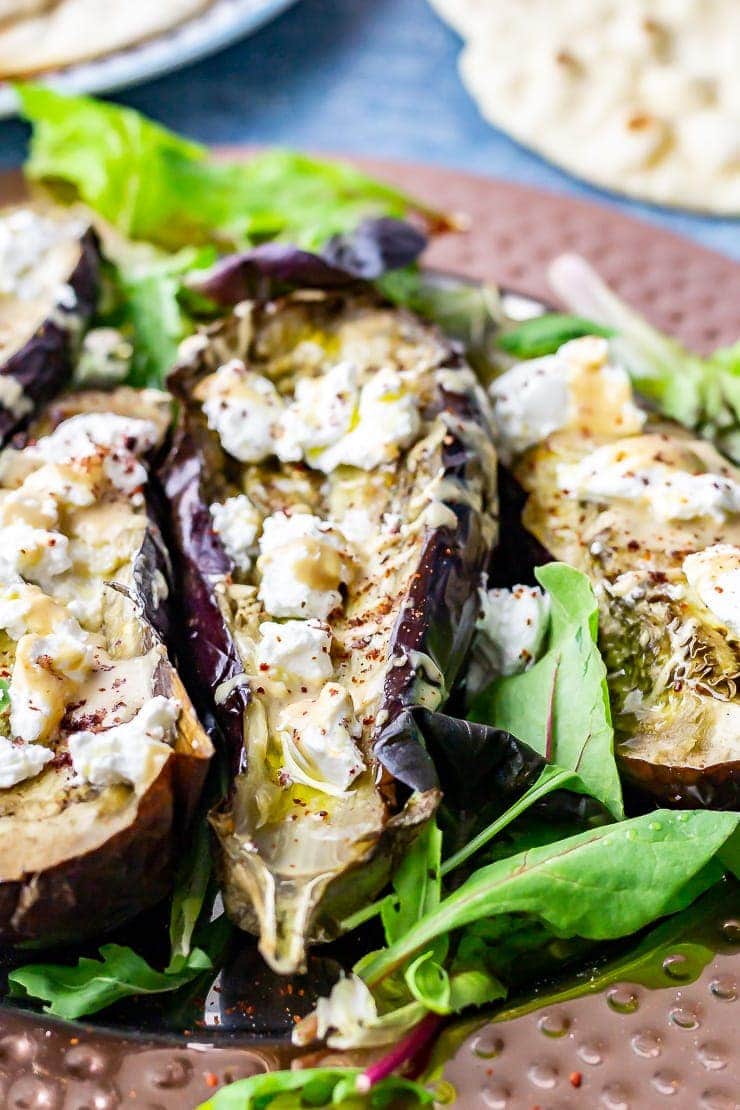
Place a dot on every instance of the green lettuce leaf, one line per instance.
(154, 185)
(153, 312)
(560, 707)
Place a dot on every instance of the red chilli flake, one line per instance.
(211, 1079)
(575, 1078)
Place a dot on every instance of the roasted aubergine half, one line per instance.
(101, 754)
(652, 515)
(333, 500)
(49, 277)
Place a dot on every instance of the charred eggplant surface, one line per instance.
(49, 270)
(332, 500)
(100, 750)
(652, 515)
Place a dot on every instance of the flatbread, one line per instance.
(638, 96)
(21, 9)
(78, 30)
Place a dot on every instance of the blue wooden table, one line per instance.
(360, 76)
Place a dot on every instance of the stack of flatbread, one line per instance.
(639, 96)
(40, 35)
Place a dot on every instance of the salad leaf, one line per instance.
(551, 778)
(600, 885)
(4, 695)
(191, 888)
(318, 1087)
(152, 310)
(92, 985)
(560, 706)
(416, 883)
(152, 184)
(466, 310)
(271, 269)
(542, 335)
(702, 393)
(644, 963)
(414, 871)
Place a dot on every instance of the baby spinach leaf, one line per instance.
(602, 884)
(416, 885)
(73, 992)
(560, 707)
(468, 983)
(551, 778)
(317, 1087)
(682, 936)
(542, 335)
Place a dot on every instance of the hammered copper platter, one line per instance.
(628, 1048)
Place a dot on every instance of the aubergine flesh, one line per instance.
(101, 754)
(49, 278)
(652, 515)
(332, 484)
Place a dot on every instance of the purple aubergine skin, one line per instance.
(439, 619)
(199, 556)
(271, 269)
(43, 365)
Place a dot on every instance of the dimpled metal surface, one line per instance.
(628, 1048)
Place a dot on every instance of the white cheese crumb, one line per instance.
(357, 526)
(612, 472)
(26, 238)
(28, 506)
(629, 587)
(237, 522)
(318, 737)
(319, 415)
(577, 384)
(245, 409)
(34, 553)
(19, 762)
(12, 397)
(105, 357)
(118, 440)
(387, 421)
(46, 671)
(61, 484)
(15, 605)
(513, 624)
(302, 563)
(714, 574)
(297, 648)
(134, 752)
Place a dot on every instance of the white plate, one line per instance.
(221, 24)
